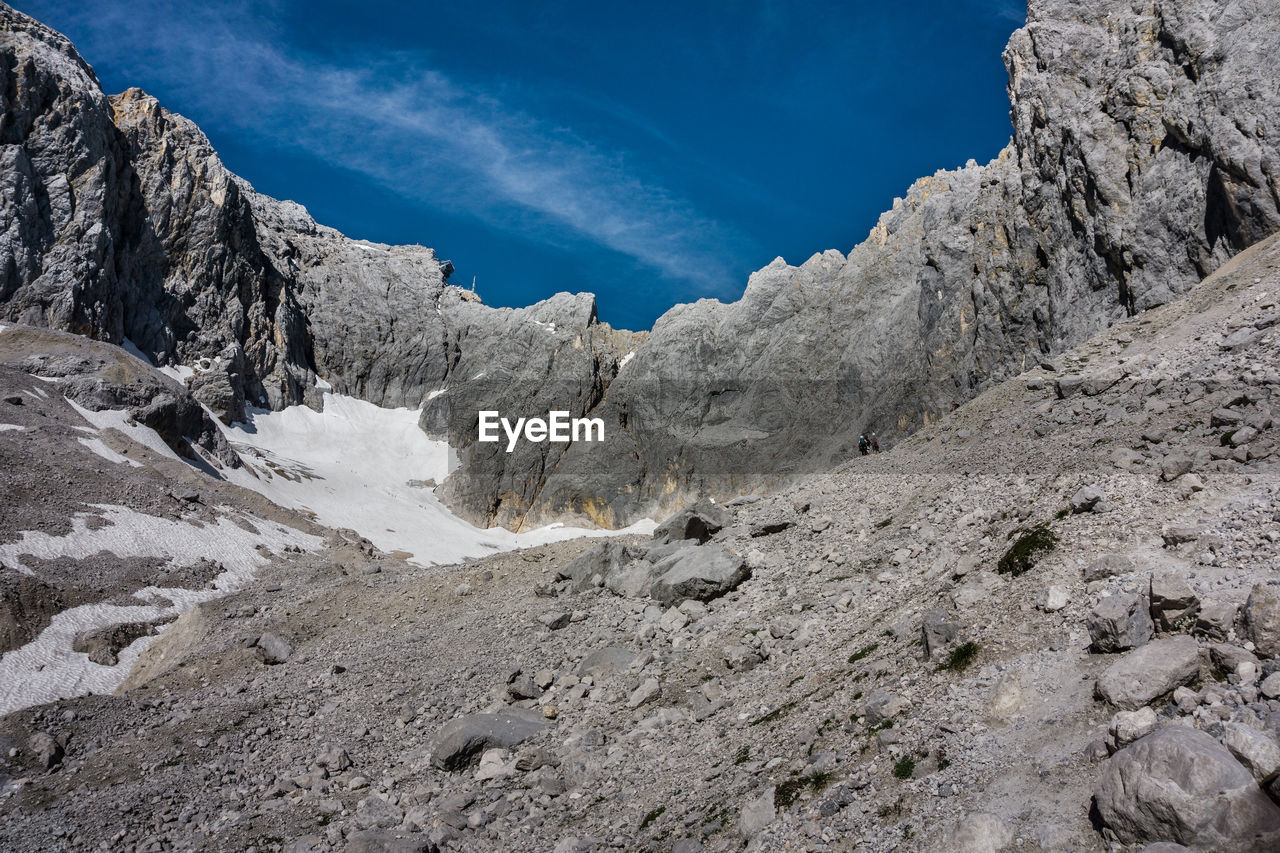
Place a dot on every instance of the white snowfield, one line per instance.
(47, 669)
(352, 465)
(119, 419)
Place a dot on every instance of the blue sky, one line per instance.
(650, 153)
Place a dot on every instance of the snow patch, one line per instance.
(132, 348)
(6, 427)
(626, 358)
(323, 385)
(47, 668)
(431, 395)
(351, 465)
(97, 446)
(119, 419)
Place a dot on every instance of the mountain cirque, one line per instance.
(1143, 156)
(1046, 620)
(875, 681)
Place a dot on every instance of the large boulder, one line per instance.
(462, 740)
(1150, 672)
(702, 573)
(1179, 784)
(1173, 603)
(607, 661)
(606, 560)
(698, 522)
(939, 632)
(1119, 623)
(1262, 619)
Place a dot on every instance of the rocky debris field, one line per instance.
(1049, 622)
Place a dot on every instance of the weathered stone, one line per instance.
(980, 832)
(1256, 750)
(1088, 499)
(462, 740)
(273, 649)
(702, 573)
(607, 661)
(1150, 672)
(757, 814)
(698, 523)
(1180, 784)
(1118, 623)
(882, 706)
(939, 632)
(1173, 603)
(1128, 726)
(1109, 565)
(607, 560)
(1262, 619)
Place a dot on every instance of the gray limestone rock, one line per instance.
(1179, 784)
(1262, 619)
(273, 649)
(698, 522)
(461, 740)
(1118, 623)
(702, 572)
(939, 632)
(607, 559)
(1173, 603)
(1150, 672)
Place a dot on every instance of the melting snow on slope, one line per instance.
(119, 419)
(352, 465)
(47, 669)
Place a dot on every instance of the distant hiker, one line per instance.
(863, 445)
(875, 443)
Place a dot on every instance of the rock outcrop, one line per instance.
(1144, 155)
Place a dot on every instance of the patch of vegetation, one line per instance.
(961, 657)
(863, 652)
(1062, 513)
(881, 525)
(652, 816)
(908, 833)
(905, 766)
(879, 727)
(1026, 550)
(1225, 439)
(743, 756)
(793, 682)
(789, 791)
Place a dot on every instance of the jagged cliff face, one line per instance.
(120, 221)
(1144, 155)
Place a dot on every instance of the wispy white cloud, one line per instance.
(413, 129)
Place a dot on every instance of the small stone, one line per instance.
(1257, 751)
(556, 620)
(1128, 726)
(757, 814)
(273, 649)
(1262, 619)
(1088, 499)
(648, 691)
(1055, 598)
